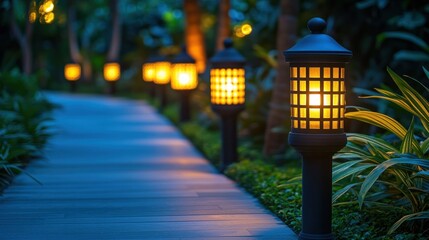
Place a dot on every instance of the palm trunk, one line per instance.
(278, 117)
(75, 54)
(24, 39)
(223, 25)
(115, 40)
(194, 34)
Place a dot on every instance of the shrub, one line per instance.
(390, 174)
(23, 128)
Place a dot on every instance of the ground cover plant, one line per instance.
(23, 123)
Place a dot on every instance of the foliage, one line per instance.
(390, 174)
(23, 125)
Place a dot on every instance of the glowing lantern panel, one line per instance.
(227, 86)
(112, 72)
(148, 72)
(317, 97)
(162, 72)
(72, 71)
(184, 76)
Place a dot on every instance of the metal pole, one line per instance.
(163, 96)
(73, 86)
(112, 87)
(185, 112)
(316, 196)
(317, 151)
(152, 89)
(229, 140)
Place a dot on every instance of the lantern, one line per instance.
(184, 78)
(162, 78)
(227, 90)
(112, 73)
(148, 71)
(318, 70)
(72, 73)
(148, 75)
(162, 71)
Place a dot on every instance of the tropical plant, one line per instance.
(388, 172)
(23, 128)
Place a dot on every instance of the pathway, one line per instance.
(118, 170)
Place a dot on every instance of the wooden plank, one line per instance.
(118, 170)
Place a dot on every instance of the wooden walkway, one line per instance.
(118, 170)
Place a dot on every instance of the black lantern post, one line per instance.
(227, 90)
(112, 73)
(148, 75)
(162, 78)
(72, 72)
(184, 79)
(318, 70)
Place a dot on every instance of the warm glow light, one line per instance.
(148, 72)
(112, 72)
(184, 76)
(162, 73)
(48, 6)
(227, 86)
(72, 71)
(49, 17)
(317, 97)
(246, 29)
(243, 30)
(32, 17)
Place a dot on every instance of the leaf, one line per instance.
(426, 72)
(409, 217)
(403, 36)
(407, 55)
(366, 139)
(417, 101)
(348, 172)
(421, 174)
(373, 176)
(425, 146)
(409, 142)
(342, 191)
(379, 120)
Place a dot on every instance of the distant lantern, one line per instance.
(148, 70)
(162, 78)
(112, 71)
(184, 78)
(162, 71)
(227, 78)
(227, 90)
(72, 72)
(184, 74)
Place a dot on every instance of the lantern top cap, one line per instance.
(229, 57)
(183, 57)
(317, 47)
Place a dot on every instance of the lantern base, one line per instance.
(227, 110)
(312, 143)
(306, 236)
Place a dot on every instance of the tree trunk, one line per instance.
(223, 24)
(24, 38)
(194, 34)
(279, 114)
(75, 54)
(115, 40)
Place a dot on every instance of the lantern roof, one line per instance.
(150, 59)
(159, 58)
(183, 57)
(317, 47)
(228, 57)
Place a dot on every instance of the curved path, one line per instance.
(118, 170)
